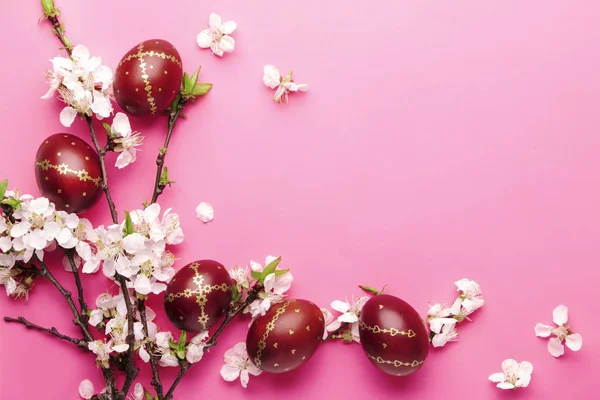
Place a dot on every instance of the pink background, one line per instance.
(440, 140)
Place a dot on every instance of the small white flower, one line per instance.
(205, 212)
(440, 315)
(513, 374)
(331, 324)
(96, 317)
(195, 349)
(350, 313)
(216, 36)
(284, 85)
(168, 358)
(273, 293)
(447, 334)
(125, 139)
(237, 364)
(256, 267)
(86, 389)
(102, 351)
(562, 331)
(471, 294)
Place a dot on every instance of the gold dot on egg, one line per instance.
(84, 194)
(304, 357)
(166, 72)
(68, 206)
(59, 190)
(59, 154)
(380, 306)
(126, 72)
(181, 318)
(156, 42)
(275, 345)
(137, 90)
(47, 142)
(308, 328)
(87, 158)
(291, 332)
(384, 345)
(72, 143)
(160, 89)
(152, 67)
(66, 135)
(276, 365)
(294, 351)
(297, 310)
(118, 91)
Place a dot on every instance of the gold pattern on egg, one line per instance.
(64, 169)
(392, 331)
(291, 332)
(396, 363)
(380, 306)
(201, 293)
(269, 327)
(294, 351)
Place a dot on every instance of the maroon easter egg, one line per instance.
(67, 171)
(286, 336)
(198, 295)
(393, 335)
(148, 77)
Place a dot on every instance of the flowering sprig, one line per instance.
(284, 85)
(561, 332)
(345, 326)
(443, 319)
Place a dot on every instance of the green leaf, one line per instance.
(164, 177)
(128, 224)
(187, 83)
(369, 289)
(107, 127)
(3, 187)
(201, 88)
(194, 79)
(235, 294)
(279, 272)
(14, 203)
(181, 354)
(182, 339)
(148, 395)
(256, 275)
(48, 6)
(175, 102)
(270, 268)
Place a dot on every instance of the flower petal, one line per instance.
(229, 373)
(497, 377)
(227, 44)
(510, 367)
(214, 21)
(121, 125)
(555, 347)
(81, 52)
(348, 317)
(244, 378)
(340, 306)
(560, 315)
(574, 341)
(204, 39)
(271, 76)
(439, 340)
(86, 389)
(205, 212)
(228, 27)
(505, 385)
(67, 116)
(542, 330)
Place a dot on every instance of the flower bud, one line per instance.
(49, 9)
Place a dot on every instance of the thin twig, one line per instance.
(184, 365)
(51, 331)
(104, 185)
(60, 34)
(160, 159)
(131, 371)
(335, 334)
(156, 382)
(80, 297)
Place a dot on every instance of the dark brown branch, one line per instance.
(131, 371)
(336, 334)
(51, 331)
(60, 34)
(149, 348)
(104, 185)
(80, 297)
(159, 186)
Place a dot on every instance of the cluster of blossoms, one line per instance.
(345, 325)
(110, 317)
(83, 83)
(443, 320)
(29, 227)
(135, 249)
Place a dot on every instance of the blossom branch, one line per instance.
(156, 382)
(185, 365)
(336, 334)
(159, 183)
(51, 331)
(51, 13)
(104, 185)
(131, 370)
(80, 297)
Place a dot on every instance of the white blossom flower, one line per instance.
(331, 324)
(125, 139)
(284, 85)
(82, 83)
(138, 392)
(167, 357)
(102, 351)
(513, 374)
(350, 313)
(562, 331)
(440, 315)
(447, 334)
(256, 267)
(138, 331)
(470, 294)
(86, 389)
(238, 365)
(195, 349)
(117, 329)
(216, 36)
(205, 212)
(274, 291)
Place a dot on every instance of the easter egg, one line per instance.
(286, 336)
(198, 295)
(148, 77)
(67, 171)
(393, 335)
